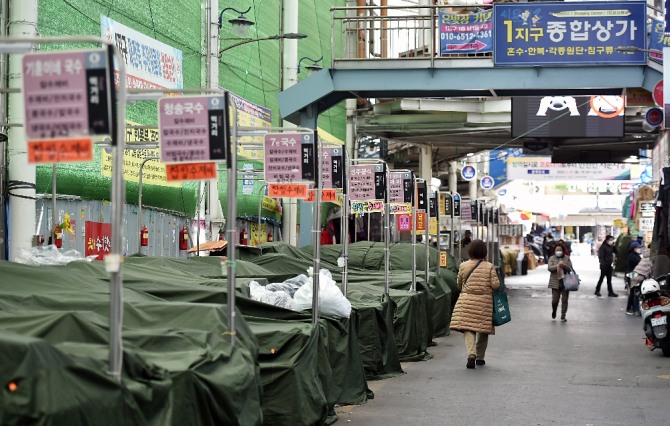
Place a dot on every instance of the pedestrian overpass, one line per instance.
(393, 53)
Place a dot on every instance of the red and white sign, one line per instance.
(98, 239)
(658, 93)
(404, 222)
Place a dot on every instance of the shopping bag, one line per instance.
(501, 313)
(571, 281)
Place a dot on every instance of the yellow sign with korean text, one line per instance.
(432, 229)
(153, 172)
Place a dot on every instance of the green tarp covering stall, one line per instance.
(179, 366)
(177, 358)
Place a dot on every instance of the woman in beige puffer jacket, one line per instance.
(473, 313)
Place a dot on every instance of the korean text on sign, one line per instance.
(466, 33)
(193, 128)
(66, 94)
(98, 239)
(289, 157)
(569, 33)
(366, 182)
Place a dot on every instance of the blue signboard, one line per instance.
(658, 40)
(498, 163)
(569, 33)
(471, 33)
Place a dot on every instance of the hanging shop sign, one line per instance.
(150, 64)
(289, 158)
(67, 100)
(569, 33)
(421, 196)
(367, 182)
(457, 205)
(193, 129)
(332, 168)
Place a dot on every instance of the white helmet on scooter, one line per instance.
(649, 286)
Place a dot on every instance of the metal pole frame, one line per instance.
(427, 271)
(54, 214)
(387, 257)
(345, 225)
(316, 226)
(139, 199)
(460, 222)
(388, 211)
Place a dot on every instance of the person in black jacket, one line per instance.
(606, 254)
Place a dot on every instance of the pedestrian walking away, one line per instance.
(606, 254)
(473, 313)
(559, 265)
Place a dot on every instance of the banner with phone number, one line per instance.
(471, 33)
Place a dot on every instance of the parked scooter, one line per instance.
(655, 307)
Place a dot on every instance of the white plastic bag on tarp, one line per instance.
(331, 299)
(50, 255)
(275, 298)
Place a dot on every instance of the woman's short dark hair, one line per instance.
(477, 250)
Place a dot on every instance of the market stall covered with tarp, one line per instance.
(179, 366)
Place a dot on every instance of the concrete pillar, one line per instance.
(426, 163)
(23, 18)
(290, 78)
(453, 177)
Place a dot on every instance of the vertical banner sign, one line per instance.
(466, 211)
(249, 115)
(193, 128)
(362, 183)
(569, 33)
(470, 33)
(457, 205)
(98, 239)
(448, 204)
(658, 39)
(67, 99)
(432, 205)
(421, 196)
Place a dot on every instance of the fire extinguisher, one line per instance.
(144, 236)
(183, 238)
(58, 238)
(270, 238)
(244, 237)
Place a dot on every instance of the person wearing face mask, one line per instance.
(606, 254)
(559, 265)
(634, 258)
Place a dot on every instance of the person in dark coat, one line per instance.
(634, 258)
(606, 254)
(559, 265)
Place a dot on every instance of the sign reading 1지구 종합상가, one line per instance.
(569, 33)
(193, 128)
(67, 99)
(289, 157)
